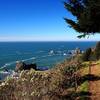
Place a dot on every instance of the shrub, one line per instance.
(87, 54)
(97, 51)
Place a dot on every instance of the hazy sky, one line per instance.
(35, 20)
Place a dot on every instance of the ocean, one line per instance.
(42, 53)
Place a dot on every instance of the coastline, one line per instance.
(67, 80)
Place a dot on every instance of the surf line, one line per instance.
(32, 58)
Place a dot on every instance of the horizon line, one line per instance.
(57, 41)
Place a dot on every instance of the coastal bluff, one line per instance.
(52, 84)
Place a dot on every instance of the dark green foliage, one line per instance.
(92, 54)
(87, 13)
(86, 55)
(97, 51)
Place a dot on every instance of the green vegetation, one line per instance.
(84, 71)
(86, 55)
(87, 14)
(97, 51)
(92, 54)
(84, 87)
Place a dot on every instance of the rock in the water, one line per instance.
(4, 74)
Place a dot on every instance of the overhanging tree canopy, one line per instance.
(87, 13)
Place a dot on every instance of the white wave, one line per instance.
(40, 51)
(32, 58)
(14, 62)
(45, 56)
(48, 56)
(7, 64)
(3, 67)
(29, 59)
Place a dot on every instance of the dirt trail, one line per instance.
(94, 84)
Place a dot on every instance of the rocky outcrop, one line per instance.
(22, 66)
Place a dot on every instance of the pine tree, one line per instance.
(87, 13)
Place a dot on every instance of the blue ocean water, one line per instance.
(37, 52)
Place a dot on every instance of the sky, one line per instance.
(36, 20)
